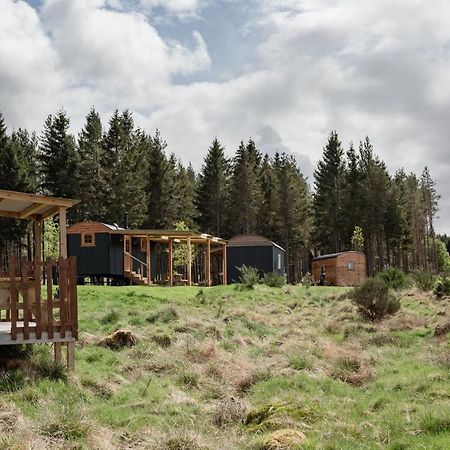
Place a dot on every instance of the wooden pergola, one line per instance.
(25, 316)
(213, 246)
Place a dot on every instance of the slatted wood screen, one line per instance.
(34, 309)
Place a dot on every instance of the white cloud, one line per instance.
(361, 67)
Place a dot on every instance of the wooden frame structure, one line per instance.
(27, 315)
(215, 252)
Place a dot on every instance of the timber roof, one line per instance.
(252, 240)
(19, 205)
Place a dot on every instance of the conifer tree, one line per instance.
(186, 195)
(293, 218)
(125, 167)
(15, 175)
(57, 157)
(213, 183)
(245, 189)
(92, 176)
(268, 208)
(329, 197)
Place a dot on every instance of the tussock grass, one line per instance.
(224, 368)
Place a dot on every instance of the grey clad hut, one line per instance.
(255, 251)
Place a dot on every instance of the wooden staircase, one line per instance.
(136, 278)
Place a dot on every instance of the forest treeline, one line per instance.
(355, 203)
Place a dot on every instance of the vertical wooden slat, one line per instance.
(48, 270)
(26, 303)
(57, 352)
(170, 261)
(13, 297)
(224, 263)
(149, 261)
(62, 266)
(73, 296)
(37, 298)
(189, 261)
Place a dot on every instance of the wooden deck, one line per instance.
(5, 335)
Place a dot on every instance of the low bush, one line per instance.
(395, 278)
(374, 299)
(442, 287)
(249, 276)
(436, 423)
(164, 315)
(272, 279)
(112, 316)
(423, 280)
(308, 280)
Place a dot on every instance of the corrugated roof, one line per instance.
(251, 240)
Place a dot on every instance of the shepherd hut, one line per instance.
(108, 253)
(340, 269)
(256, 251)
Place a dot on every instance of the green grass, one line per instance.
(223, 365)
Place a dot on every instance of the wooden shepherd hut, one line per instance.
(256, 251)
(108, 253)
(29, 312)
(340, 269)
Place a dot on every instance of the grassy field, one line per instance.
(225, 369)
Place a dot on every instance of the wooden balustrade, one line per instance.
(37, 313)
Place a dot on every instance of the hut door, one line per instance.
(127, 254)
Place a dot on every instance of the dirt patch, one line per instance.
(118, 340)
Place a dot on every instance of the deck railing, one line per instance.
(38, 312)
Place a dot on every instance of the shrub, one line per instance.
(272, 279)
(374, 300)
(249, 277)
(442, 287)
(424, 280)
(395, 278)
(164, 315)
(112, 316)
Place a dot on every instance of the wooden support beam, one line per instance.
(224, 263)
(149, 261)
(11, 214)
(170, 262)
(208, 263)
(50, 213)
(71, 356)
(189, 261)
(27, 212)
(37, 232)
(57, 347)
(63, 232)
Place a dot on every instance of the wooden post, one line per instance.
(57, 352)
(208, 263)
(71, 355)
(170, 265)
(63, 232)
(224, 263)
(149, 261)
(37, 225)
(189, 261)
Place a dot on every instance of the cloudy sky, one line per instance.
(284, 72)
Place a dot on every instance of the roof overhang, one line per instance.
(165, 235)
(19, 205)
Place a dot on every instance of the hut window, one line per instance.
(87, 240)
(279, 262)
(350, 265)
